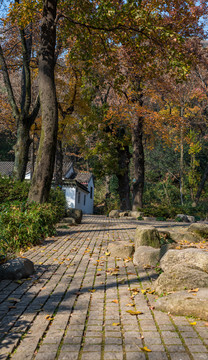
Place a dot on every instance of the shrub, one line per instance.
(23, 225)
(12, 190)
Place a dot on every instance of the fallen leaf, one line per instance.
(145, 349)
(147, 266)
(107, 253)
(48, 317)
(132, 312)
(92, 290)
(143, 291)
(129, 304)
(11, 299)
(193, 323)
(115, 301)
(115, 324)
(193, 290)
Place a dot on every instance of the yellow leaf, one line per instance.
(145, 349)
(115, 301)
(107, 253)
(12, 299)
(132, 312)
(115, 324)
(143, 291)
(129, 304)
(92, 290)
(193, 290)
(48, 317)
(147, 266)
(193, 323)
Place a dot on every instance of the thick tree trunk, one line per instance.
(43, 173)
(21, 150)
(59, 164)
(201, 185)
(123, 179)
(138, 163)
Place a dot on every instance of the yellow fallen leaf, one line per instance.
(193, 323)
(107, 253)
(12, 299)
(145, 349)
(92, 290)
(147, 266)
(143, 291)
(193, 290)
(48, 317)
(115, 324)
(115, 301)
(132, 312)
(129, 304)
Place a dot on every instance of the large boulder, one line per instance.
(68, 221)
(16, 269)
(182, 217)
(114, 213)
(194, 258)
(122, 249)
(179, 277)
(185, 236)
(136, 214)
(146, 255)
(124, 213)
(185, 304)
(76, 214)
(199, 229)
(147, 236)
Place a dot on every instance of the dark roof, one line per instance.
(73, 183)
(6, 168)
(82, 177)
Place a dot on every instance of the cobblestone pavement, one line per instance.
(75, 306)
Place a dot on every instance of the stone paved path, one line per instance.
(75, 306)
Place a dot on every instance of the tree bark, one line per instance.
(201, 185)
(21, 150)
(59, 164)
(138, 163)
(123, 179)
(43, 172)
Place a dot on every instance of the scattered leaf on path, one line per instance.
(145, 349)
(115, 324)
(193, 290)
(115, 301)
(132, 312)
(193, 323)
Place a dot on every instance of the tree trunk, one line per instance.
(21, 150)
(123, 179)
(138, 163)
(43, 172)
(59, 164)
(201, 185)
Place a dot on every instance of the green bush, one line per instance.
(23, 225)
(12, 190)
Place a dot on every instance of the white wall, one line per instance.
(70, 193)
(90, 201)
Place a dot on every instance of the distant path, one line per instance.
(75, 308)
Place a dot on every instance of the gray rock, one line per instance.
(114, 213)
(147, 236)
(182, 217)
(191, 218)
(149, 218)
(179, 277)
(199, 229)
(124, 213)
(76, 214)
(185, 304)
(136, 214)
(194, 258)
(68, 221)
(16, 269)
(122, 249)
(146, 255)
(188, 236)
